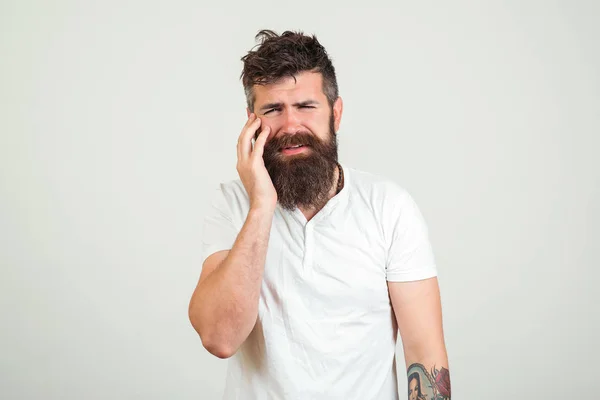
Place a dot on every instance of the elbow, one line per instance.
(219, 350)
(216, 346)
(213, 342)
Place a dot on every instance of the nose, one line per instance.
(291, 122)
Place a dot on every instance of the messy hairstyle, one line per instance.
(285, 55)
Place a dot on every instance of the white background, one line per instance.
(118, 118)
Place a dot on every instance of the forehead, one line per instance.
(307, 86)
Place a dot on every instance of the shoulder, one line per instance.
(387, 200)
(233, 190)
(231, 196)
(390, 203)
(376, 190)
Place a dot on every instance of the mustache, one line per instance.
(300, 138)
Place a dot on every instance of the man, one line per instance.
(310, 266)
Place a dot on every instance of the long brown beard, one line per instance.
(302, 180)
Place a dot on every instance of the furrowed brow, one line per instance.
(306, 103)
(268, 106)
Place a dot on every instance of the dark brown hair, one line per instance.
(286, 55)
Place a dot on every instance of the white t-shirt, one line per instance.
(326, 328)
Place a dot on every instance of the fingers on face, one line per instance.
(244, 144)
(259, 145)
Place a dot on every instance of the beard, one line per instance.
(304, 179)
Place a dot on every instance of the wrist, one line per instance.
(262, 209)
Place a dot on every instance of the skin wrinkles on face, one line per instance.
(290, 106)
(298, 113)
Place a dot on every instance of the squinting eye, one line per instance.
(307, 107)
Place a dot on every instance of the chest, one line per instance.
(321, 272)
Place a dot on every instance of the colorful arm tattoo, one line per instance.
(428, 385)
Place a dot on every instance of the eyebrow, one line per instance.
(299, 104)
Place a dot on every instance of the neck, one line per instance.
(311, 212)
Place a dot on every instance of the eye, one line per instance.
(272, 109)
(307, 107)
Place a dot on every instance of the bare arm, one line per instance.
(418, 310)
(224, 306)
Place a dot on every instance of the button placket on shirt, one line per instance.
(308, 246)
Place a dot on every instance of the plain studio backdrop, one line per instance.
(118, 120)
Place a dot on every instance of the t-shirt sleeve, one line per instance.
(219, 232)
(410, 255)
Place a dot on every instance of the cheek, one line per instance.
(273, 125)
(319, 127)
(260, 129)
(322, 121)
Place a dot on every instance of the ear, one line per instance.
(248, 112)
(338, 108)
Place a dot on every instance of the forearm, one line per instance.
(428, 373)
(227, 301)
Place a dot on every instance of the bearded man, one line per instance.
(310, 267)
